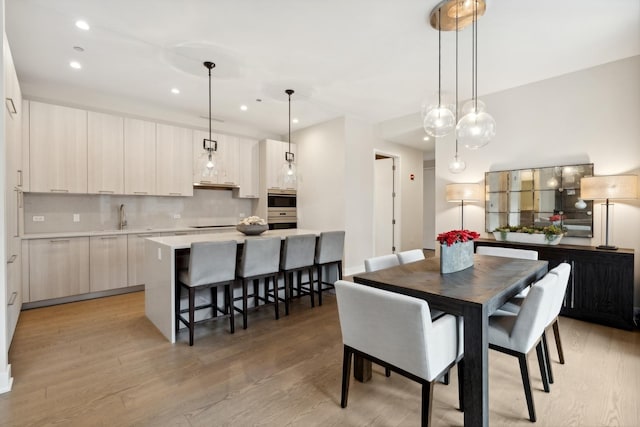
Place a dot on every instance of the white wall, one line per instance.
(335, 190)
(590, 116)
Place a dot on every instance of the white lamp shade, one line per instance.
(467, 192)
(609, 187)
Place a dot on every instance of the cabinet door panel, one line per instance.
(58, 268)
(248, 166)
(139, 157)
(105, 145)
(174, 160)
(57, 148)
(135, 258)
(108, 262)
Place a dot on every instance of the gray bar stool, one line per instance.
(329, 251)
(297, 256)
(211, 264)
(260, 260)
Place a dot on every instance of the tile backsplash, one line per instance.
(101, 212)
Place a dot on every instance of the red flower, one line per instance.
(457, 236)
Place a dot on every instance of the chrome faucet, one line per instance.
(123, 218)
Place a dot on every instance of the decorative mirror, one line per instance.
(539, 197)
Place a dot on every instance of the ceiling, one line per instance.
(376, 60)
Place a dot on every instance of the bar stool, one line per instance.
(329, 252)
(260, 260)
(211, 264)
(297, 256)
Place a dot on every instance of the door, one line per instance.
(384, 205)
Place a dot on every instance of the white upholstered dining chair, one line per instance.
(517, 333)
(380, 262)
(396, 331)
(412, 255)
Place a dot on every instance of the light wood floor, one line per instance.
(101, 362)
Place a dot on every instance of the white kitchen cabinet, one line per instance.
(58, 267)
(272, 160)
(107, 262)
(105, 147)
(174, 160)
(12, 190)
(139, 157)
(136, 256)
(57, 149)
(249, 168)
(225, 158)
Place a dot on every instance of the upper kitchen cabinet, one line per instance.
(249, 160)
(225, 170)
(174, 160)
(139, 157)
(57, 149)
(106, 153)
(272, 158)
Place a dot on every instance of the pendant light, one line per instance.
(477, 127)
(439, 120)
(457, 165)
(208, 144)
(288, 173)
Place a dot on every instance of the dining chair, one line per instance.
(259, 261)
(509, 253)
(380, 262)
(413, 255)
(298, 255)
(329, 252)
(396, 331)
(211, 264)
(517, 333)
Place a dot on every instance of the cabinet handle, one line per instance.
(145, 235)
(108, 237)
(573, 281)
(11, 106)
(106, 191)
(59, 241)
(12, 259)
(19, 178)
(175, 194)
(12, 300)
(139, 192)
(229, 182)
(58, 190)
(180, 234)
(206, 182)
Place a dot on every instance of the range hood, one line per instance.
(211, 186)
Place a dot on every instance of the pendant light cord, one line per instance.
(209, 105)
(289, 123)
(474, 59)
(456, 81)
(440, 56)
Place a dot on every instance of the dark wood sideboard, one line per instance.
(601, 283)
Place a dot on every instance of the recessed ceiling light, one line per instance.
(75, 65)
(83, 25)
(426, 138)
(294, 120)
(243, 107)
(175, 90)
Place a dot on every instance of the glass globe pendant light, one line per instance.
(288, 173)
(477, 127)
(439, 120)
(209, 145)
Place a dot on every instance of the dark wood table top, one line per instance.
(489, 282)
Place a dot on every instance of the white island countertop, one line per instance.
(160, 270)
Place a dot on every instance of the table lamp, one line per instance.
(461, 192)
(607, 188)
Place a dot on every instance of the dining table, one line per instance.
(473, 293)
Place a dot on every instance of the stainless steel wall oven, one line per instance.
(282, 210)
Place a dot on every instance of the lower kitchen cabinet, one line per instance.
(135, 257)
(107, 262)
(58, 267)
(600, 285)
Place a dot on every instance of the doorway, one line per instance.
(384, 205)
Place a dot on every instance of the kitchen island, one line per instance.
(160, 270)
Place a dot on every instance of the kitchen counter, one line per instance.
(160, 270)
(114, 232)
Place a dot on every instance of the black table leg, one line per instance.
(476, 384)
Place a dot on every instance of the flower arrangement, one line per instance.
(456, 236)
(253, 220)
(551, 232)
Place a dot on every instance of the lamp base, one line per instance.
(607, 247)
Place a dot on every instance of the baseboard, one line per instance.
(6, 380)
